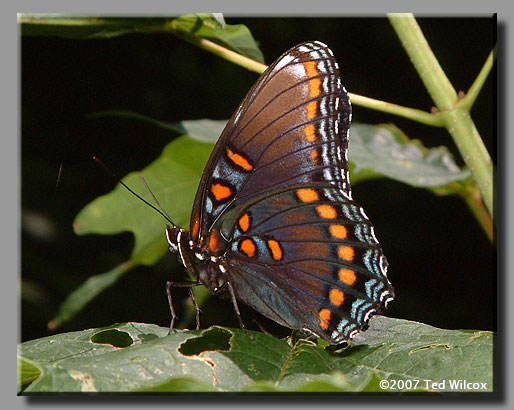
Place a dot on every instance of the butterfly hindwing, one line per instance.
(308, 255)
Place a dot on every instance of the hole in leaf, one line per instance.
(432, 346)
(113, 337)
(212, 339)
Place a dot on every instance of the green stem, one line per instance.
(457, 119)
(220, 51)
(472, 94)
(435, 120)
(439, 87)
(230, 55)
(473, 151)
(476, 205)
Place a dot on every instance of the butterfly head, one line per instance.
(173, 235)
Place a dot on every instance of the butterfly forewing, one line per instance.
(285, 132)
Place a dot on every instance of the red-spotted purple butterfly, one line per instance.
(274, 224)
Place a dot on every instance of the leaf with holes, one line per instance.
(140, 357)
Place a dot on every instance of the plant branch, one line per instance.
(435, 120)
(474, 201)
(413, 41)
(231, 56)
(472, 94)
(462, 128)
(457, 119)
(220, 51)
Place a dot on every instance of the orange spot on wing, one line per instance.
(326, 211)
(307, 195)
(347, 276)
(346, 252)
(324, 318)
(311, 68)
(314, 156)
(248, 247)
(244, 222)
(239, 160)
(220, 191)
(310, 132)
(336, 297)
(314, 87)
(338, 231)
(276, 250)
(312, 109)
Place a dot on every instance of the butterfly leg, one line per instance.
(188, 285)
(236, 308)
(197, 309)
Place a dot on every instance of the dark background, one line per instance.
(442, 266)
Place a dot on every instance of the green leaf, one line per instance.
(335, 382)
(203, 130)
(332, 383)
(384, 151)
(82, 26)
(173, 178)
(222, 359)
(405, 350)
(234, 37)
(80, 297)
(179, 385)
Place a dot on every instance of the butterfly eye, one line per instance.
(172, 235)
(202, 256)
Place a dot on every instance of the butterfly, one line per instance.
(274, 224)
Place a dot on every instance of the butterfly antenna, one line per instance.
(58, 182)
(161, 211)
(155, 199)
